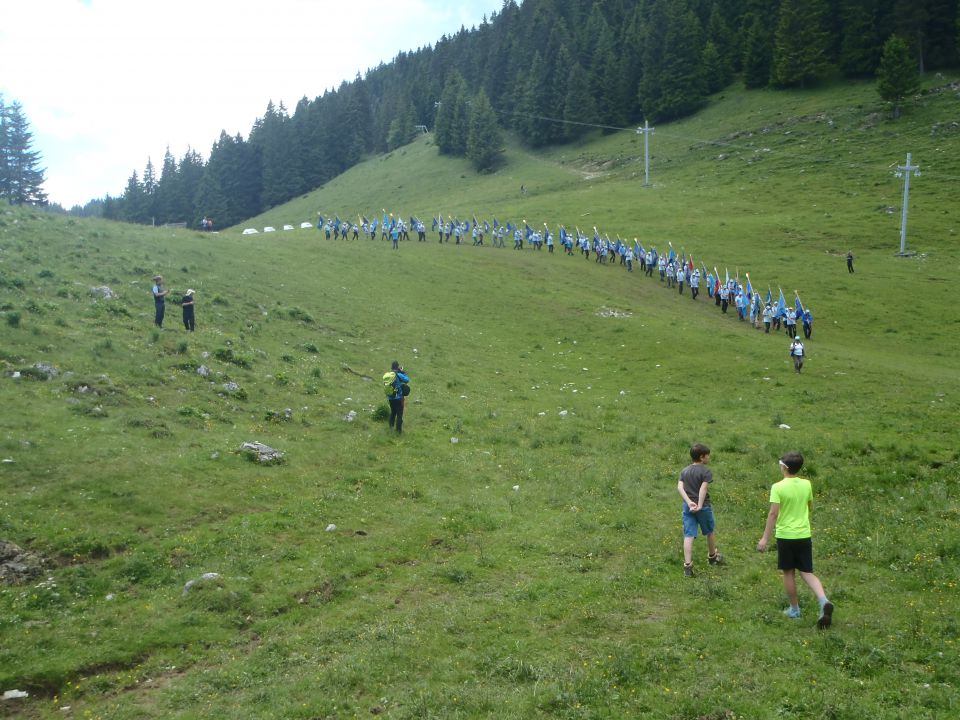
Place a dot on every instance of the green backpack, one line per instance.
(390, 383)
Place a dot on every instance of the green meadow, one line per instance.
(516, 553)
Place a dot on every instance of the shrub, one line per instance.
(13, 319)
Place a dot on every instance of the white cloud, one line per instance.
(106, 84)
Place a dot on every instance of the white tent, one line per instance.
(268, 228)
(305, 225)
(250, 231)
(288, 227)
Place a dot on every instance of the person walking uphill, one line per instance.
(790, 502)
(395, 384)
(694, 487)
(159, 300)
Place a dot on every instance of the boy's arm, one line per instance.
(771, 524)
(703, 494)
(683, 493)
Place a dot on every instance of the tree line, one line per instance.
(548, 71)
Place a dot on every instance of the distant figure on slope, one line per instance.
(850, 262)
(791, 500)
(397, 388)
(693, 486)
(807, 322)
(187, 305)
(797, 353)
(159, 300)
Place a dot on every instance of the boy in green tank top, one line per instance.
(790, 502)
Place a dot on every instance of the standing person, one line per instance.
(807, 323)
(693, 486)
(159, 300)
(797, 353)
(187, 305)
(791, 500)
(395, 395)
(767, 318)
(395, 236)
(850, 261)
(694, 284)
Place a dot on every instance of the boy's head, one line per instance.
(791, 462)
(698, 452)
(395, 365)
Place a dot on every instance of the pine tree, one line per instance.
(578, 106)
(402, 128)
(800, 53)
(133, 206)
(149, 186)
(897, 76)
(451, 123)
(718, 33)
(757, 53)
(190, 171)
(859, 43)
(533, 102)
(485, 139)
(21, 177)
(4, 152)
(673, 83)
(166, 190)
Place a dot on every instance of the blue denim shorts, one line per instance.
(703, 519)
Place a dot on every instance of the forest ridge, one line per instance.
(552, 70)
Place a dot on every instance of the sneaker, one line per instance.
(826, 616)
(792, 613)
(688, 570)
(716, 559)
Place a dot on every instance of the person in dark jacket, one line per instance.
(397, 399)
(187, 305)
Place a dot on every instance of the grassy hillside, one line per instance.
(517, 552)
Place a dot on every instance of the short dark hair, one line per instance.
(395, 365)
(793, 461)
(699, 451)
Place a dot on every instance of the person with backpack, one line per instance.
(395, 384)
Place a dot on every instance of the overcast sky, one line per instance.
(105, 84)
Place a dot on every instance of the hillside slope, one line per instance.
(517, 551)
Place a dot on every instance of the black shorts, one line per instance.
(795, 554)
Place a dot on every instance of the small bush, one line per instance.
(296, 313)
(227, 355)
(382, 413)
(13, 319)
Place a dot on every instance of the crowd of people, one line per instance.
(676, 271)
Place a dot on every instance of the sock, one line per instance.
(823, 601)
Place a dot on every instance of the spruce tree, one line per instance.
(859, 43)
(484, 139)
(673, 81)
(166, 190)
(21, 177)
(579, 109)
(451, 123)
(402, 128)
(757, 53)
(800, 54)
(897, 76)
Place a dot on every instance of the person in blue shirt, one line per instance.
(397, 399)
(807, 323)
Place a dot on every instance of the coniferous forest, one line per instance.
(585, 63)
